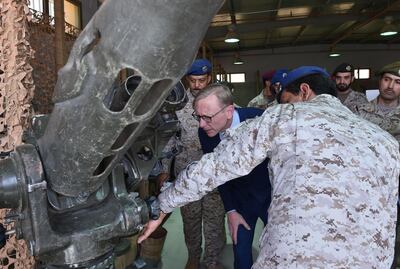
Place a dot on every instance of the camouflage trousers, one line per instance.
(207, 214)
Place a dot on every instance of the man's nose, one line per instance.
(197, 84)
(391, 84)
(202, 123)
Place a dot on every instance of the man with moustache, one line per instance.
(385, 112)
(343, 77)
(207, 215)
(385, 109)
(334, 178)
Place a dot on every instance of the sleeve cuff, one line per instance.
(230, 211)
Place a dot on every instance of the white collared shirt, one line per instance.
(235, 122)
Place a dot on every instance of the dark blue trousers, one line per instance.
(242, 251)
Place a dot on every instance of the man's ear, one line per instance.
(306, 92)
(208, 79)
(230, 109)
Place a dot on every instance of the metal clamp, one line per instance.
(41, 185)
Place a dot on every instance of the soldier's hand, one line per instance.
(150, 227)
(234, 220)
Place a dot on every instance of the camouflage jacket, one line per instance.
(260, 101)
(388, 121)
(353, 100)
(334, 178)
(187, 141)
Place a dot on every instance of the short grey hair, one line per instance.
(222, 92)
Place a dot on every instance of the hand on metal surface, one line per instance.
(154, 207)
(234, 220)
(150, 227)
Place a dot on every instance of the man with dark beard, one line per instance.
(384, 111)
(344, 76)
(207, 215)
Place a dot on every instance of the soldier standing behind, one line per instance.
(266, 96)
(385, 112)
(344, 76)
(206, 215)
(385, 109)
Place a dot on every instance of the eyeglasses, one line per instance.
(207, 119)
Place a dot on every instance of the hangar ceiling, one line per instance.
(266, 24)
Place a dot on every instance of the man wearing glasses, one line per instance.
(246, 198)
(206, 215)
(334, 178)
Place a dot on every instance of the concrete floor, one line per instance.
(174, 254)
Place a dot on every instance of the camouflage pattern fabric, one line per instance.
(205, 213)
(353, 100)
(390, 122)
(334, 178)
(208, 213)
(387, 120)
(272, 103)
(259, 101)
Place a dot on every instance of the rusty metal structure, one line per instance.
(72, 184)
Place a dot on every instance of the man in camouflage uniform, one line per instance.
(385, 112)
(266, 96)
(344, 76)
(334, 178)
(385, 109)
(206, 214)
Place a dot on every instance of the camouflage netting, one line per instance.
(16, 91)
(42, 36)
(28, 62)
(16, 85)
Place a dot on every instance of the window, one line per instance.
(362, 73)
(72, 14)
(72, 10)
(232, 77)
(36, 5)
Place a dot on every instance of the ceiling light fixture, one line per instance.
(389, 29)
(238, 60)
(231, 36)
(334, 54)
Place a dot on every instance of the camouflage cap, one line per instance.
(393, 68)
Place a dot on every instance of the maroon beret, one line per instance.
(268, 75)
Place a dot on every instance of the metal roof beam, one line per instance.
(215, 32)
(232, 13)
(364, 22)
(268, 32)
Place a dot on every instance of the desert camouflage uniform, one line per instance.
(390, 122)
(334, 178)
(387, 120)
(209, 211)
(353, 100)
(260, 101)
